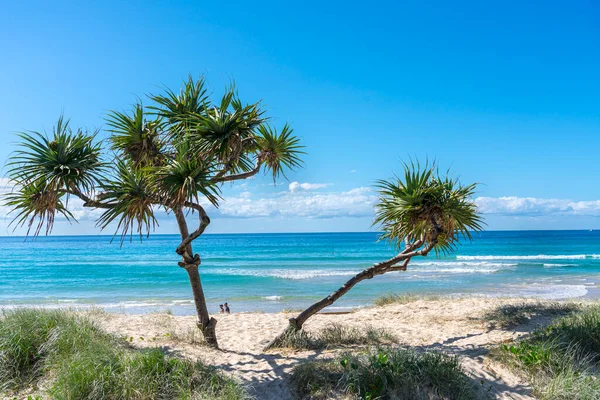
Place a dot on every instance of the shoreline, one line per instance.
(185, 307)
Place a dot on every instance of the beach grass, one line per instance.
(77, 360)
(511, 315)
(384, 372)
(561, 360)
(336, 335)
(393, 298)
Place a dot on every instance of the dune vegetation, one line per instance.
(560, 360)
(382, 373)
(336, 335)
(66, 356)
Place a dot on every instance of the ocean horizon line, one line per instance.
(282, 233)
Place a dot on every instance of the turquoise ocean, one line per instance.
(270, 272)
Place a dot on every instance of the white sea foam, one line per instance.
(273, 298)
(463, 264)
(559, 265)
(551, 292)
(283, 273)
(445, 267)
(532, 257)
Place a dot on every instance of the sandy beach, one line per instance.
(454, 326)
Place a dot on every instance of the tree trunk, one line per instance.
(190, 263)
(377, 269)
(205, 323)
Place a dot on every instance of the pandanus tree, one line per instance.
(172, 156)
(420, 212)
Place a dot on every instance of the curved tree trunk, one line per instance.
(190, 263)
(377, 269)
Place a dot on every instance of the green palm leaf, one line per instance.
(279, 151)
(34, 201)
(131, 199)
(184, 178)
(67, 161)
(135, 137)
(422, 205)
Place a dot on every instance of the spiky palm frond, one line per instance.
(67, 161)
(135, 137)
(279, 151)
(33, 201)
(424, 205)
(131, 199)
(185, 178)
(227, 131)
(177, 108)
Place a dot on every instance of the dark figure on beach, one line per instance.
(221, 307)
(227, 309)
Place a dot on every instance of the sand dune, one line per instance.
(451, 325)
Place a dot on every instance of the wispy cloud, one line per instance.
(531, 206)
(297, 186)
(352, 203)
(301, 201)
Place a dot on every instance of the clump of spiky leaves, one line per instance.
(136, 137)
(177, 108)
(34, 201)
(426, 205)
(44, 170)
(80, 361)
(184, 178)
(384, 373)
(131, 201)
(281, 150)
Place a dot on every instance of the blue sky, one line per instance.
(507, 94)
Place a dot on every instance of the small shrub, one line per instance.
(385, 373)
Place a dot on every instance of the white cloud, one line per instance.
(352, 171)
(299, 202)
(531, 206)
(353, 203)
(297, 186)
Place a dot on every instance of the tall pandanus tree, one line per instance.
(173, 155)
(420, 212)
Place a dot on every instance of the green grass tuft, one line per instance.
(561, 361)
(83, 362)
(385, 373)
(511, 315)
(335, 335)
(392, 298)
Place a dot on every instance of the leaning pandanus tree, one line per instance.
(420, 212)
(172, 156)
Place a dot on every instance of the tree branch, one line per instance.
(227, 178)
(204, 222)
(88, 201)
